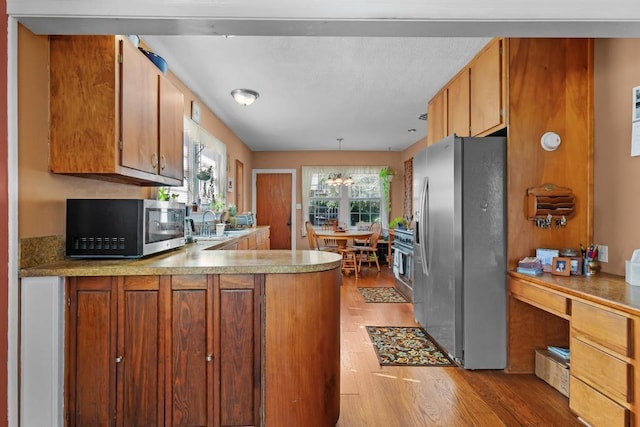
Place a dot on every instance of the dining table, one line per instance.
(343, 236)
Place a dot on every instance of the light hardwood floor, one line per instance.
(372, 395)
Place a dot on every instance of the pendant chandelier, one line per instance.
(336, 179)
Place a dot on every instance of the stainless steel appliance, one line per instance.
(459, 252)
(402, 263)
(123, 228)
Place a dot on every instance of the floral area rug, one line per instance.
(378, 294)
(406, 346)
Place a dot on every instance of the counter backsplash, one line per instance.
(41, 250)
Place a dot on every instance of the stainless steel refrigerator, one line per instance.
(459, 272)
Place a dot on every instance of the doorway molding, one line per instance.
(294, 185)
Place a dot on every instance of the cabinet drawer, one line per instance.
(604, 327)
(604, 372)
(541, 298)
(595, 408)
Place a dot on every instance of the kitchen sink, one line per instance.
(236, 232)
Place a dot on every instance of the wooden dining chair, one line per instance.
(369, 251)
(328, 244)
(311, 236)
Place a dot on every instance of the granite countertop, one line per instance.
(194, 259)
(606, 289)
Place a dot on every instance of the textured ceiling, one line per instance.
(360, 70)
(313, 90)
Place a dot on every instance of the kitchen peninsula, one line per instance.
(188, 337)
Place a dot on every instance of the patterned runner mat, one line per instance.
(406, 346)
(379, 294)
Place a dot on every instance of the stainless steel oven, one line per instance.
(402, 262)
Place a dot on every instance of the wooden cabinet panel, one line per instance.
(140, 345)
(239, 350)
(458, 104)
(171, 130)
(602, 371)
(91, 351)
(314, 357)
(139, 110)
(486, 89)
(541, 298)
(190, 390)
(595, 408)
(84, 89)
(436, 118)
(604, 327)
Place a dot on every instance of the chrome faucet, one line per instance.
(205, 229)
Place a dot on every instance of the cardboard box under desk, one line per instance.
(553, 369)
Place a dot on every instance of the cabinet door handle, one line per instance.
(119, 359)
(209, 357)
(163, 162)
(154, 160)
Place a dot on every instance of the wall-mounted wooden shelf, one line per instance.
(549, 199)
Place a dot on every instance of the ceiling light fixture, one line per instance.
(422, 116)
(245, 96)
(411, 130)
(336, 179)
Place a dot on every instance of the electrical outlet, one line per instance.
(603, 253)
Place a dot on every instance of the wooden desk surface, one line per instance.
(603, 288)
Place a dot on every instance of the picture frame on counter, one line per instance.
(576, 266)
(561, 266)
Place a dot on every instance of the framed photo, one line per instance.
(576, 266)
(561, 266)
(230, 185)
(636, 104)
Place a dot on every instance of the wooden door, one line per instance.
(273, 206)
(239, 349)
(140, 371)
(190, 369)
(458, 104)
(170, 145)
(91, 366)
(139, 111)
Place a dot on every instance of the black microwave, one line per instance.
(123, 228)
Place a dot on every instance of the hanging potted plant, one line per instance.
(386, 176)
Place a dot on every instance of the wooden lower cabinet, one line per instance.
(239, 349)
(163, 350)
(190, 392)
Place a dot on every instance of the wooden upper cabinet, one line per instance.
(458, 104)
(437, 118)
(487, 89)
(114, 116)
(171, 130)
(139, 110)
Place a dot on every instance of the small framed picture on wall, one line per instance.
(229, 185)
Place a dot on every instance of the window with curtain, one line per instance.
(360, 202)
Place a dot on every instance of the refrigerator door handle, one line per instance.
(423, 229)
